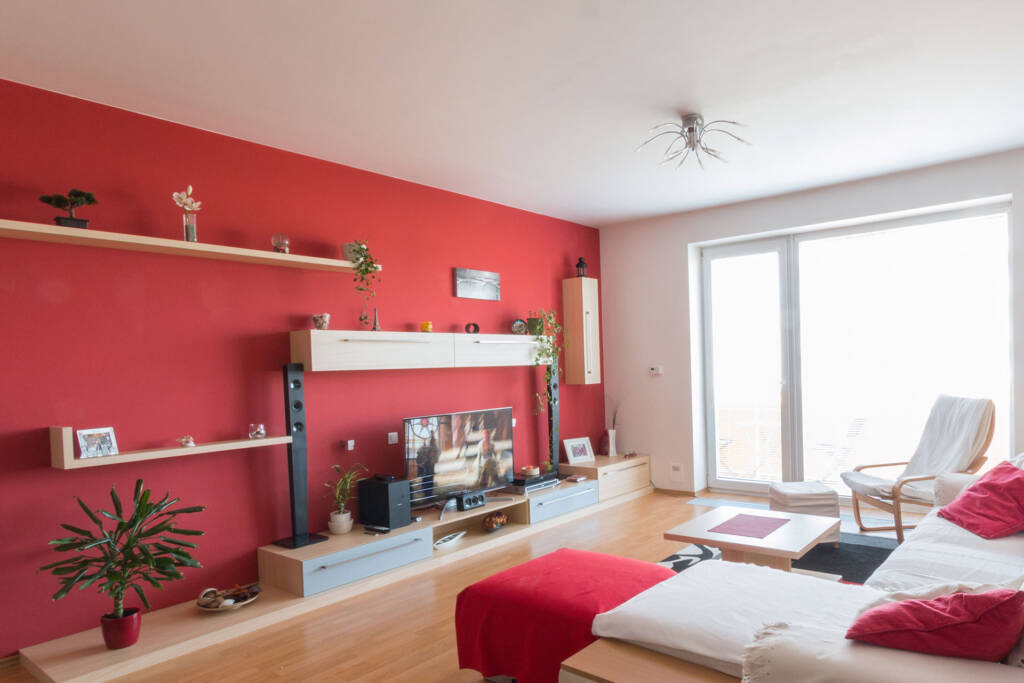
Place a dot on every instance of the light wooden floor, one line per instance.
(406, 631)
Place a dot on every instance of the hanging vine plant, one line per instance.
(549, 349)
(367, 274)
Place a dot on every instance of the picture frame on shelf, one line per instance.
(578, 451)
(96, 443)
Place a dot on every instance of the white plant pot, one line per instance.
(340, 522)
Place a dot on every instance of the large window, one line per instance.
(826, 350)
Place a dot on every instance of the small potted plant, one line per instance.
(74, 199)
(341, 490)
(137, 549)
(367, 272)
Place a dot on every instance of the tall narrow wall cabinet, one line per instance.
(582, 330)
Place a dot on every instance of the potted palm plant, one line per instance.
(341, 490)
(137, 549)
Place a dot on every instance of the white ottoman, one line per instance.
(805, 498)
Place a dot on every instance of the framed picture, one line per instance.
(97, 442)
(477, 284)
(579, 450)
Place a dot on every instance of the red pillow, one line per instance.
(993, 506)
(980, 626)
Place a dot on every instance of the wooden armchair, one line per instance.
(889, 495)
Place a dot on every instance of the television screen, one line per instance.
(448, 454)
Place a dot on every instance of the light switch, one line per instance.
(656, 370)
(392, 438)
(513, 422)
(350, 445)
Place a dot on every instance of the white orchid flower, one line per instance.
(185, 200)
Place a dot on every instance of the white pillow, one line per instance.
(935, 590)
(949, 485)
(1017, 460)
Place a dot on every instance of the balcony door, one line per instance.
(825, 350)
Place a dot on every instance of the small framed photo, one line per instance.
(477, 284)
(98, 442)
(578, 450)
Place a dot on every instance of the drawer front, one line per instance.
(488, 350)
(363, 350)
(623, 479)
(366, 560)
(548, 505)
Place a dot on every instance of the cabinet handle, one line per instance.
(388, 341)
(559, 500)
(502, 341)
(586, 345)
(623, 469)
(370, 554)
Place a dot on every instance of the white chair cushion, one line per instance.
(867, 484)
(949, 486)
(919, 491)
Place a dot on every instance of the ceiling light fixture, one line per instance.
(691, 132)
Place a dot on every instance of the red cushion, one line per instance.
(993, 506)
(981, 626)
(525, 621)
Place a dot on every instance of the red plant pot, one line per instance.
(123, 631)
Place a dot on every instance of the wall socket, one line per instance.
(392, 438)
(676, 473)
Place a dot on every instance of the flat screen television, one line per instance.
(448, 454)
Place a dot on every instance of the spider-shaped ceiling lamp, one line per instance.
(690, 133)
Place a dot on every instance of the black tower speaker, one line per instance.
(384, 502)
(298, 475)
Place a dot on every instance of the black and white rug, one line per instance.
(856, 558)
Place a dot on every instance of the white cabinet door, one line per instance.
(489, 350)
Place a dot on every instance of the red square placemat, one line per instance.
(753, 526)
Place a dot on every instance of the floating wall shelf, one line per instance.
(62, 450)
(41, 232)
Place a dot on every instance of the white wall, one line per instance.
(648, 273)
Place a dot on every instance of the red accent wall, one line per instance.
(158, 346)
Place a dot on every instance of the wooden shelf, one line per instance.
(62, 450)
(41, 232)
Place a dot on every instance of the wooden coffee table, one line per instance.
(778, 549)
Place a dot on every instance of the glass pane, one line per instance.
(746, 366)
(890, 320)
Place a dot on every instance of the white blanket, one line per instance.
(953, 435)
(938, 551)
(708, 613)
(793, 653)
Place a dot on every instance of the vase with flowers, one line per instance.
(190, 206)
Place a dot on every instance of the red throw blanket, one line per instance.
(525, 621)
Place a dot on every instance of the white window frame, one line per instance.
(786, 245)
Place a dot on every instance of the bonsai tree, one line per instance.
(73, 200)
(137, 549)
(366, 274)
(341, 490)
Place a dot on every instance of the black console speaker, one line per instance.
(470, 500)
(295, 421)
(384, 502)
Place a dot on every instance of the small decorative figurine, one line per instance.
(257, 430)
(472, 328)
(427, 326)
(376, 320)
(322, 321)
(519, 326)
(281, 242)
(187, 441)
(581, 267)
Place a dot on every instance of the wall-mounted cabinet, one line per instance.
(333, 350)
(582, 331)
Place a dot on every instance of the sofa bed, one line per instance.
(763, 624)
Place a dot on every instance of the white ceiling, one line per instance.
(539, 104)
